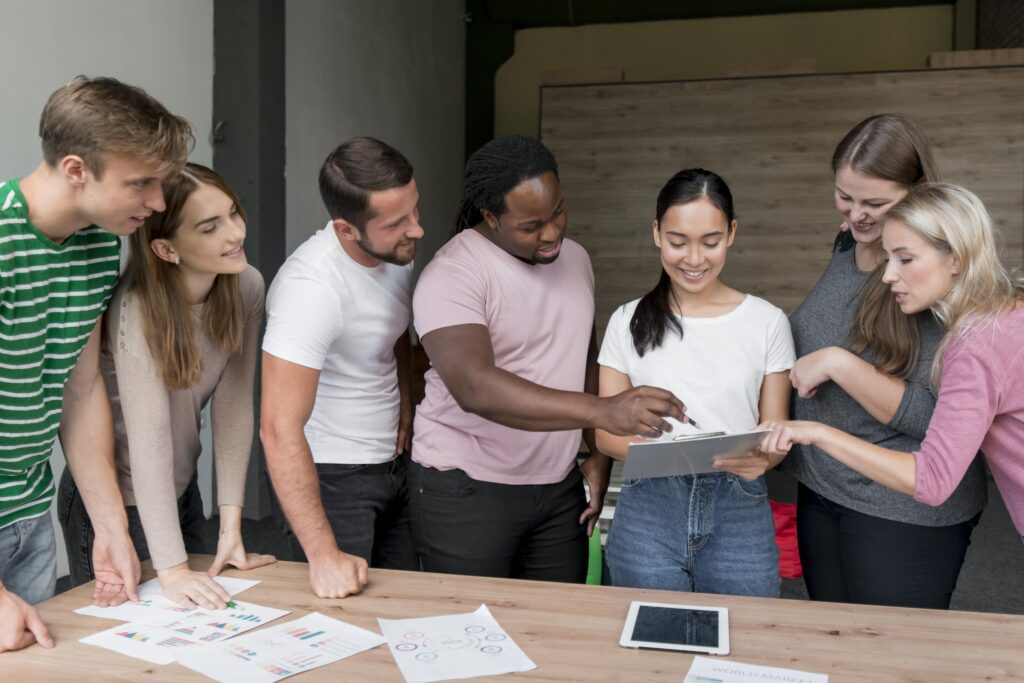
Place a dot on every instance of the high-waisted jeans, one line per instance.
(711, 533)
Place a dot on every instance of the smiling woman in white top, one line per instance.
(726, 355)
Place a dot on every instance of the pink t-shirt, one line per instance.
(980, 407)
(539, 318)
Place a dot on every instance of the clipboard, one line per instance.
(687, 454)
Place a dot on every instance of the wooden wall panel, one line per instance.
(772, 140)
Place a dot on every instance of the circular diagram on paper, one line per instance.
(451, 642)
(495, 637)
(491, 649)
(426, 656)
(412, 635)
(406, 647)
(475, 629)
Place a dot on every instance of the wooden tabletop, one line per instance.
(572, 632)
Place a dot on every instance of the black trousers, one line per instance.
(367, 507)
(848, 556)
(465, 526)
(79, 534)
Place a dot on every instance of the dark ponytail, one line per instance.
(496, 169)
(654, 315)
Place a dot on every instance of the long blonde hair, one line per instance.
(168, 322)
(954, 221)
(890, 147)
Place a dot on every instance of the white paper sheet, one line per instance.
(169, 629)
(149, 592)
(454, 646)
(708, 670)
(281, 651)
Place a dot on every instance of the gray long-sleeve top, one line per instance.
(824, 319)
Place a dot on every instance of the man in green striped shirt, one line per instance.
(107, 147)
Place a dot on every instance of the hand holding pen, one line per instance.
(641, 410)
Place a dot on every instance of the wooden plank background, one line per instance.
(772, 140)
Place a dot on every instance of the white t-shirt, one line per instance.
(327, 312)
(716, 369)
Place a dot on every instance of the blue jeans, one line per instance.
(28, 558)
(710, 533)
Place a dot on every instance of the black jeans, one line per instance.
(465, 526)
(367, 507)
(848, 556)
(79, 534)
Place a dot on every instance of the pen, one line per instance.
(694, 423)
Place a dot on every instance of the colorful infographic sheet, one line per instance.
(150, 595)
(281, 651)
(166, 630)
(454, 646)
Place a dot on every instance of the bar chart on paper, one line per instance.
(281, 651)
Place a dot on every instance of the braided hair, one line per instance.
(496, 169)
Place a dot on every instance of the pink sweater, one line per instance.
(980, 407)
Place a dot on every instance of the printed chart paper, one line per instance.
(281, 651)
(162, 633)
(454, 646)
(708, 670)
(149, 592)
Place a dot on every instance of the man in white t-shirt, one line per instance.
(336, 409)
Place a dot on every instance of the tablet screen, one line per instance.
(676, 626)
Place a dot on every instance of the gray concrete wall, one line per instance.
(392, 69)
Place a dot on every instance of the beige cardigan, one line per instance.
(156, 430)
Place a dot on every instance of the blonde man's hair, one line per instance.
(100, 118)
(954, 221)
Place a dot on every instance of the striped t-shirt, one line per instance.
(51, 296)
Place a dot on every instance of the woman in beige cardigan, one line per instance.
(181, 331)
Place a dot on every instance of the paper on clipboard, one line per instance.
(689, 455)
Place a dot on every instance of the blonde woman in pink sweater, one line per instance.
(942, 256)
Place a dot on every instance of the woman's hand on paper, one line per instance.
(192, 589)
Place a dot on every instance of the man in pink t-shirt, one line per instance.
(505, 311)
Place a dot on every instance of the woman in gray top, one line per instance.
(859, 541)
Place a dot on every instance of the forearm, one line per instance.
(230, 518)
(296, 483)
(156, 498)
(233, 425)
(615, 446)
(894, 469)
(509, 400)
(879, 394)
(87, 439)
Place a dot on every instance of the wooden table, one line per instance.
(572, 632)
